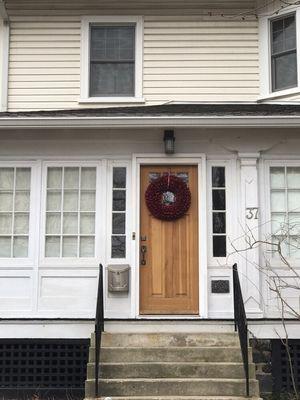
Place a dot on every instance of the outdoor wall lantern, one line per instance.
(169, 140)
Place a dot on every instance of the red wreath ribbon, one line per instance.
(154, 198)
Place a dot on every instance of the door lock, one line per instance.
(143, 251)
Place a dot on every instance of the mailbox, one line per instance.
(118, 278)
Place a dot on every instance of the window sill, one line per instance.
(112, 100)
(280, 94)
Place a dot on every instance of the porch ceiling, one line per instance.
(177, 115)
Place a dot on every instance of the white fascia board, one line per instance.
(151, 122)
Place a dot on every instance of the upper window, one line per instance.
(111, 59)
(283, 52)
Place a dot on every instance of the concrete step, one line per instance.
(170, 370)
(169, 387)
(167, 339)
(171, 354)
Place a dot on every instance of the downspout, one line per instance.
(4, 59)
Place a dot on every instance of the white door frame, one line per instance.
(177, 159)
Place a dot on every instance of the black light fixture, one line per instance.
(169, 140)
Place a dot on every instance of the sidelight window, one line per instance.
(218, 201)
(118, 238)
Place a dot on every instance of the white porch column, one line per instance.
(248, 260)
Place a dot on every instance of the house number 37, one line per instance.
(252, 212)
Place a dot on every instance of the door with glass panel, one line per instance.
(169, 269)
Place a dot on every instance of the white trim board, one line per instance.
(161, 159)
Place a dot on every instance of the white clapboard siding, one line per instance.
(186, 58)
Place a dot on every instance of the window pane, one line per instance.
(88, 201)
(277, 177)
(21, 224)
(53, 223)
(20, 247)
(87, 224)
(6, 201)
(118, 249)
(294, 224)
(294, 200)
(5, 246)
(71, 178)
(6, 224)
(218, 176)
(70, 200)
(118, 224)
(279, 223)
(278, 201)
(112, 43)
(52, 246)
(88, 178)
(87, 246)
(23, 178)
(112, 79)
(119, 200)
(219, 246)
(219, 223)
(219, 199)
(54, 178)
(22, 201)
(293, 177)
(70, 246)
(70, 223)
(6, 178)
(284, 71)
(53, 201)
(119, 177)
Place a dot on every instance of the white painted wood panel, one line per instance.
(186, 58)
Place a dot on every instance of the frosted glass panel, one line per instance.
(278, 201)
(71, 180)
(294, 224)
(70, 200)
(5, 246)
(87, 224)
(5, 224)
(22, 201)
(88, 178)
(52, 246)
(6, 201)
(54, 179)
(277, 177)
(87, 246)
(23, 178)
(7, 178)
(20, 247)
(53, 223)
(279, 223)
(294, 200)
(21, 224)
(70, 225)
(293, 177)
(70, 246)
(87, 201)
(53, 201)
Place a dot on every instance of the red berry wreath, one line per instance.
(168, 198)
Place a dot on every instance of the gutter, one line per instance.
(151, 122)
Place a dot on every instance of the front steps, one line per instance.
(170, 366)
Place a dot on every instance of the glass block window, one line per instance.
(112, 60)
(283, 52)
(14, 211)
(285, 208)
(218, 211)
(118, 238)
(70, 212)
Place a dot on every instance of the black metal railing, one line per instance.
(240, 322)
(99, 327)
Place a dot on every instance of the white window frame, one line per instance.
(34, 211)
(85, 58)
(266, 200)
(99, 217)
(265, 55)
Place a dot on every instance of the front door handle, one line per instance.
(143, 251)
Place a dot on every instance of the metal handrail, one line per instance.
(240, 322)
(99, 327)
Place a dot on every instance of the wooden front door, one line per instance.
(169, 277)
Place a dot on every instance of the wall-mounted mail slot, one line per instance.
(118, 278)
